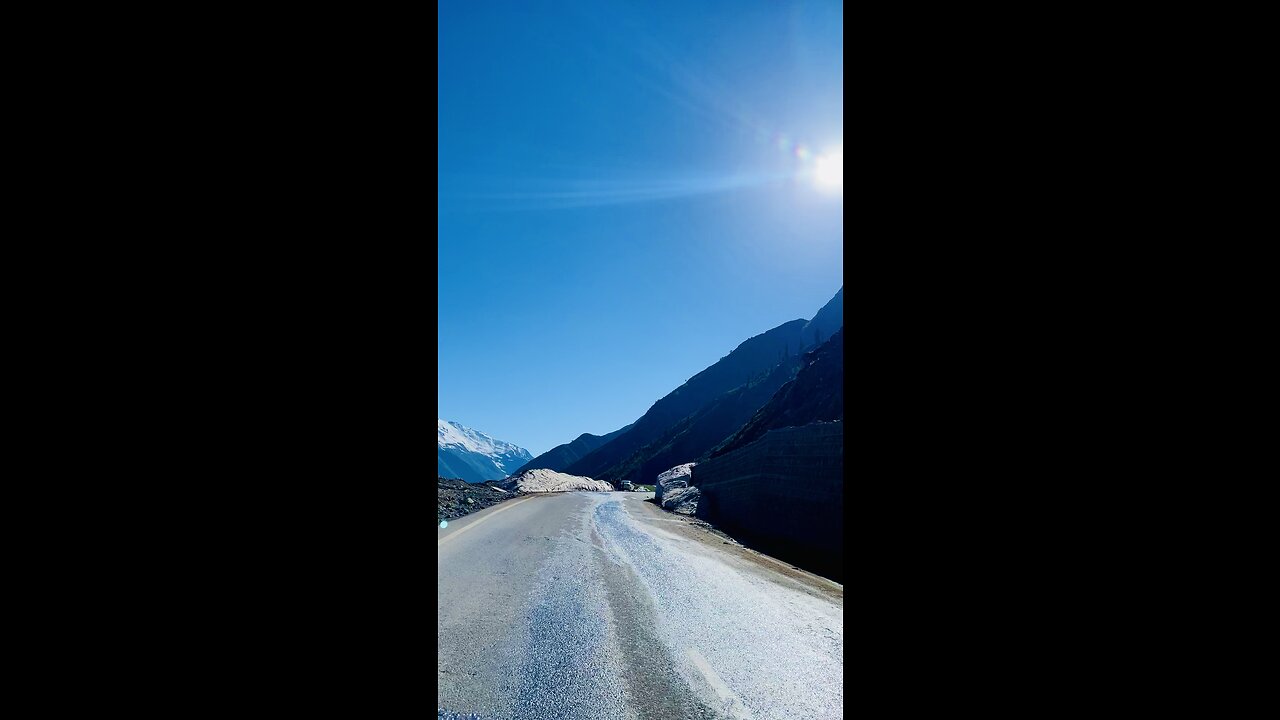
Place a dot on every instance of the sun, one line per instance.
(828, 170)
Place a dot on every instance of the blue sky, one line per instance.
(626, 192)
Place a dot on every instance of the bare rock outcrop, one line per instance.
(676, 477)
(682, 500)
(672, 490)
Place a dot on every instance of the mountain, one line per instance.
(562, 456)
(755, 357)
(815, 395)
(828, 320)
(474, 456)
(703, 429)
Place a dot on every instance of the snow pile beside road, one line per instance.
(543, 480)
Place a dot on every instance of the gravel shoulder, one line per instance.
(706, 538)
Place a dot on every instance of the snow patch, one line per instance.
(451, 434)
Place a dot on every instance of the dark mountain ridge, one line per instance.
(654, 438)
(702, 429)
(755, 355)
(562, 456)
(815, 395)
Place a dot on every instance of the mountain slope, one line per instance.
(562, 456)
(753, 356)
(815, 395)
(474, 456)
(703, 429)
(824, 324)
(756, 356)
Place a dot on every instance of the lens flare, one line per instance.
(828, 170)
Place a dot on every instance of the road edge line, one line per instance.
(732, 702)
(453, 535)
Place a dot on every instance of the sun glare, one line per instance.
(828, 170)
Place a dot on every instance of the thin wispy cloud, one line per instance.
(564, 194)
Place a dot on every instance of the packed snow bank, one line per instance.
(543, 480)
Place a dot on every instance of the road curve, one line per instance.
(599, 605)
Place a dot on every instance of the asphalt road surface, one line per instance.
(600, 605)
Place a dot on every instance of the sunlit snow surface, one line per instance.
(451, 434)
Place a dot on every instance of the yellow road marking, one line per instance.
(453, 535)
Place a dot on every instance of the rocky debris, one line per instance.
(543, 480)
(672, 491)
(676, 477)
(455, 498)
(682, 500)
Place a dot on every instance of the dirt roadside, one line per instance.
(716, 541)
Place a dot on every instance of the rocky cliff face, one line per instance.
(782, 494)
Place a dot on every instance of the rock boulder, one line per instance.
(672, 490)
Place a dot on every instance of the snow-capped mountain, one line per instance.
(474, 456)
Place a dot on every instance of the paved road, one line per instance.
(599, 605)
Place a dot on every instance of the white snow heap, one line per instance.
(543, 480)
